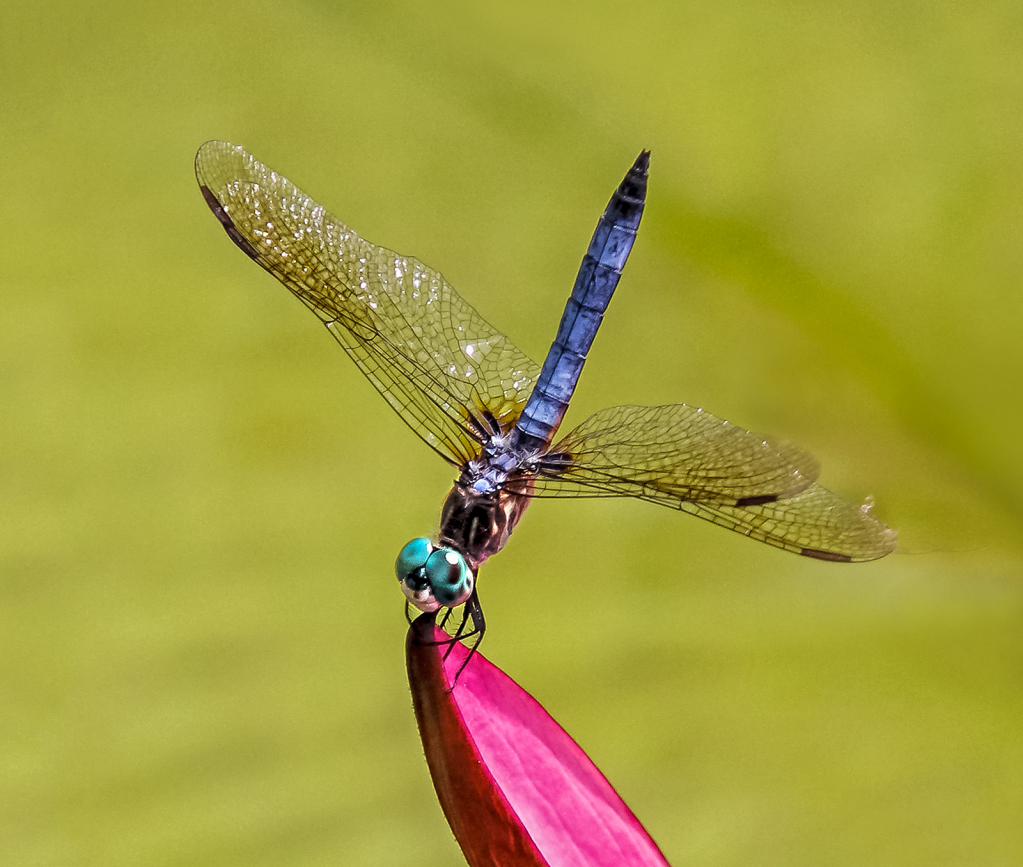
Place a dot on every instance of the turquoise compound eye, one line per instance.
(412, 558)
(450, 577)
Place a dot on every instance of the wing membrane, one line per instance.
(685, 458)
(447, 372)
(815, 523)
(681, 452)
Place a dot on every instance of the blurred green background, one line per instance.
(201, 646)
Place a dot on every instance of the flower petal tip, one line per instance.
(515, 788)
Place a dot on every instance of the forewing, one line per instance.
(683, 457)
(447, 372)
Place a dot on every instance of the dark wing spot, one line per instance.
(228, 224)
(826, 555)
(757, 501)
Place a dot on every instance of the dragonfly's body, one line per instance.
(486, 408)
(494, 489)
(478, 525)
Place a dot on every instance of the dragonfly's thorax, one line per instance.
(496, 465)
(478, 525)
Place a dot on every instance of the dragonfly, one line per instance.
(492, 413)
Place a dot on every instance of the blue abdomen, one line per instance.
(598, 276)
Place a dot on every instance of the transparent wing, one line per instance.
(688, 459)
(449, 374)
(677, 452)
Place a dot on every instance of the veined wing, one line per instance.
(685, 458)
(448, 373)
(678, 452)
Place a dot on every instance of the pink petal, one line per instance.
(515, 788)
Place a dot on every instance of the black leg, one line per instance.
(471, 613)
(450, 640)
(473, 610)
(460, 633)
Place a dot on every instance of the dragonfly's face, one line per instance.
(433, 577)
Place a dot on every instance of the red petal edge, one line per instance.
(515, 788)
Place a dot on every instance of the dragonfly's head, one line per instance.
(433, 577)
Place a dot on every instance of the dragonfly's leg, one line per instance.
(474, 610)
(479, 623)
(460, 633)
(433, 617)
(450, 639)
